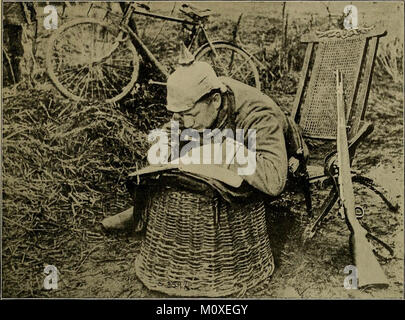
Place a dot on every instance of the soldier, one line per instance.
(19, 42)
(201, 100)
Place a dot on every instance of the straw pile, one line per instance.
(64, 169)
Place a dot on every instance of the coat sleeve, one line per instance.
(270, 174)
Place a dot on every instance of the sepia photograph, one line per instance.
(202, 149)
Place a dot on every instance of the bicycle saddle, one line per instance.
(194, 12)
(143, 6)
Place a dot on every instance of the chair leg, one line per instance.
(373, 186)
(325, 209)
(306, 188)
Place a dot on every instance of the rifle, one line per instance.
(369, 270)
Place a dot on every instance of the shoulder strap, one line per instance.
(296, 146)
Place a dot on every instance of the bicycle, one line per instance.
(91, 60)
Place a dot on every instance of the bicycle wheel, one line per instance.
(230, 61)
(88, 60)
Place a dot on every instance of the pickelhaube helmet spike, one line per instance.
(186, 57)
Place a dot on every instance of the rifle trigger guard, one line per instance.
(359, 211)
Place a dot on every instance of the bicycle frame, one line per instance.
(198, 27)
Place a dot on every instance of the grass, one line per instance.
(64, 168)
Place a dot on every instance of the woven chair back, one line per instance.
(353, 53)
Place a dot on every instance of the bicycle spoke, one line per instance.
(116, 66)
(85, 86)
(117, 77)
(73, 83)
(96, 88)
(92, 84)
(68, 46)
(58, 63)
(66, 54)
(67, 70)
(240, 66)
(90, 43)
(93, 43)
(75, 75)
(120, 49)
(121, 60)
(72, 77)
(75, 79)
(105, 40)
(66, 74)
(245, 78)
(68, 79)
(92, 87)
(122, 71)
(217, 63)
(105, 93)
(231, 62)
(79, 39)
(122, 56)
(106, 82)
(100, 84)
(79, 82)
(224, 62)
(226, 66)
(112, 86)
(107, 77)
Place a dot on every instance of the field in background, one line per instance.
(260, 26)
(65, 166)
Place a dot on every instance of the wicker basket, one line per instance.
(187, 253)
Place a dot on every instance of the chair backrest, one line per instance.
(351, 51)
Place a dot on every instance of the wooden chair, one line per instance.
(353, 52)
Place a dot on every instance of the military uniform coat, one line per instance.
(252, 109)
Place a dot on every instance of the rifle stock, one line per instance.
(369, 270)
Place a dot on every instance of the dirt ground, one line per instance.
(93, 264)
